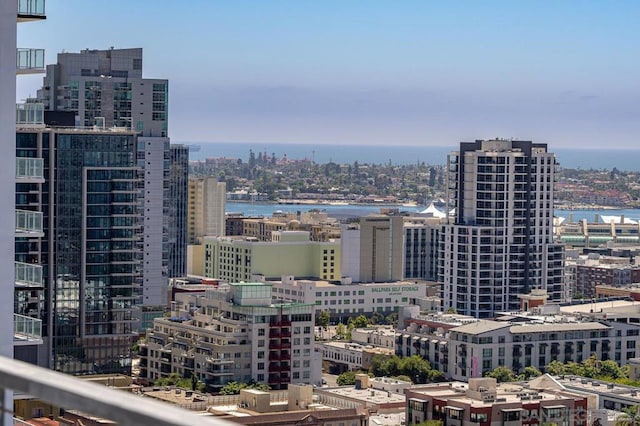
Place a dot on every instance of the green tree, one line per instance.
(530, 372)
(232, 388)
(502, 374)
(450, 310)
(323, 318)
(346, 378)
(631, 416)
(341, 330)
(431, 423)
(555, 368)
(360, 321)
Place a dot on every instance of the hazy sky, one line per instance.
(373, 72)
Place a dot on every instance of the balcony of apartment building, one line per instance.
(29, 170)
(26, 330)
(29, 61)
(101, 402)
(30, 114)
(31, 10)
(29, 224)
(28, 275)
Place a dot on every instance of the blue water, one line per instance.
(263, 209)
(627, 160)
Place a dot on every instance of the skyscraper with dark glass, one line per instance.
(91, 251)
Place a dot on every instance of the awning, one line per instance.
(451, 407)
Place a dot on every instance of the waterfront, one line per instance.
(267, 209)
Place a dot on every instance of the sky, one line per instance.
(372, 72)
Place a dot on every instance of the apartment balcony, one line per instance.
(28, 275)
(100, 401)
(31, 10)
(29, 61)
(30, 114)
(26, 330)
(29, 224)
(29, 170)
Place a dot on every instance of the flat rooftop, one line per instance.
(588, 307)
(372, 396)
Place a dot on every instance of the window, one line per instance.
(261, 332)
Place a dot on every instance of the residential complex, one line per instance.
(207, 205)
(464, 347)
(500, 242)
(235, 259)
(20, 226)
(234, 333)
(483, 401)
(106, 88)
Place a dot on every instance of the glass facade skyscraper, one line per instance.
(91, 251)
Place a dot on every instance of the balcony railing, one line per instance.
(30, 114)
(30, 170)
(29, 61)
(26, 330)
(29, 224)
(72, 393)
(31, 9)
(28, 275)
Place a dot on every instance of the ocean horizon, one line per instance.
(574, 158)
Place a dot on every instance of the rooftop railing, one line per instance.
(71, 393)
(26, 330)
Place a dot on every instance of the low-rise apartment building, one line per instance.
(233, 333)
(464, 347)
(483, 401)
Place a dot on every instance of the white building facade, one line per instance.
(500, 242)
(234, 333)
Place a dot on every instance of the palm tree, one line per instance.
(630, 417)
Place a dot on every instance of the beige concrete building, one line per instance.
(233, 333)
(206, 208)
(236, 259)
(381, 248)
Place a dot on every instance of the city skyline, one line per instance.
(411, 74)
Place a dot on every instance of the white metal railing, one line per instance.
(28, 59)
(72, 393)
(30, 113)
(26, 328)
(31, 7)
(28, 274)
(28, 222)
(29, 168)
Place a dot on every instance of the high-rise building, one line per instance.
(207, 205)
(178, 197)
(106, 88)
(21, 227)
(500, 242)
(90, 247)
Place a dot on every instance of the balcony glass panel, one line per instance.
(29, 168)
(28, 274)
(31, 7)
(30, 113)
(28, 59)
(28, 222)
(26, 328)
